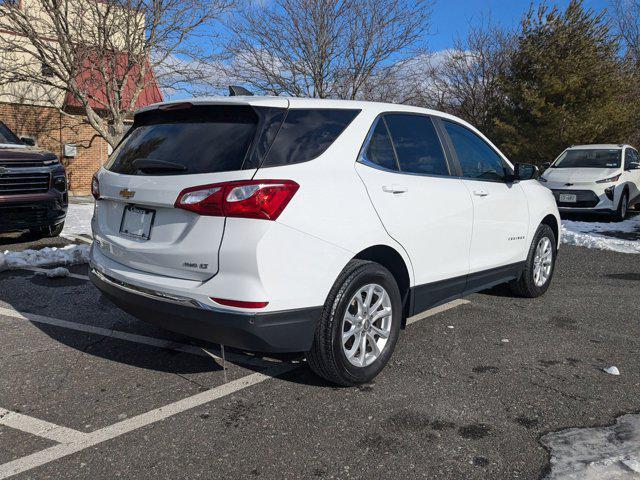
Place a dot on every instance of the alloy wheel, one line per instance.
(542, 262)
(366, 325)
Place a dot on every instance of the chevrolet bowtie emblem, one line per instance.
(126, 193)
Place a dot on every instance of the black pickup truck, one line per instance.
(33, 187)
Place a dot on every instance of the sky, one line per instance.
(451, 18)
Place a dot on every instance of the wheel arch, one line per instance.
(393, 261)
(552, 222)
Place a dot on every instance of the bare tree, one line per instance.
(323, 48)
(626, 15)
(465, 80)
(104, 54)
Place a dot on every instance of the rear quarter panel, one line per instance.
(331, 209)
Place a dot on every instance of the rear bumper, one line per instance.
(21, 212)
(273, 332)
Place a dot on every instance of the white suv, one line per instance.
(297, 225)
(595, 178)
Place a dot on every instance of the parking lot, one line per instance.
(88, 391)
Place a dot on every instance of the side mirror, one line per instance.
(633, 166)
(28, 141)
(525, 171)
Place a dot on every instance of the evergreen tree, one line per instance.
(564, 85)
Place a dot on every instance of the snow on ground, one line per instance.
(603, 235)
(611, 453)
(58, 272)
(78, 220)
(69, 255)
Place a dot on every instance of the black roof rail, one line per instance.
(235, 90)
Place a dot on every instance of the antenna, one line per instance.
(235, 90)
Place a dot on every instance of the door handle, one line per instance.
(480, 193)
(394, 189)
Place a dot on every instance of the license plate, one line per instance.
(137, 222)
(568, 198)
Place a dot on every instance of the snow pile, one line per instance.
(78, 220)
(58, 272)
(597, 235)
(69, 255)
(596, 453)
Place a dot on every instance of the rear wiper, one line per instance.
(149, 165)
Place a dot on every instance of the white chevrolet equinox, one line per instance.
(276, 224)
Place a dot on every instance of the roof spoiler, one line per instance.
(235, 90)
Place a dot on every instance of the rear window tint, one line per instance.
(417, 144)
(306, 134)
(201, 139)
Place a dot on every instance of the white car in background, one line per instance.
(279, 224)
(595, 178)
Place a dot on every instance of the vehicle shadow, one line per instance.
(170, 360)
(202, 356)
(23, 240)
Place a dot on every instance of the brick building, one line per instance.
(55, 119)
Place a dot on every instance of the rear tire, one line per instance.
(373, 321)
(623, 207)
(539, 266)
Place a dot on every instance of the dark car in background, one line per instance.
(33, 187)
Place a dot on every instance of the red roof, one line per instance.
(91, 80)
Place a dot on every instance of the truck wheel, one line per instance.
(359, 326)
(539, 266)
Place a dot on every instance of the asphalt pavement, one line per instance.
(86, 391)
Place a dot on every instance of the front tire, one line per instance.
(623, 207)
(359, 326)
(539, 266)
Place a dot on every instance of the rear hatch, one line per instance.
(167, 150)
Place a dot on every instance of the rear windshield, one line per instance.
(589, 158)
(7, 136)
(306, 134)
(200, 139)
(209, 139)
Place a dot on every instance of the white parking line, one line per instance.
(45, 270)
(84, 441)
(38, 427)
(132, 337)
(434, 311)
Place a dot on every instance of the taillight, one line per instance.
(263, 199)
(95, 187)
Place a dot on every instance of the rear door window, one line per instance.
(201, 139)
(380, 150)
(416, 144)
(306, 134)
